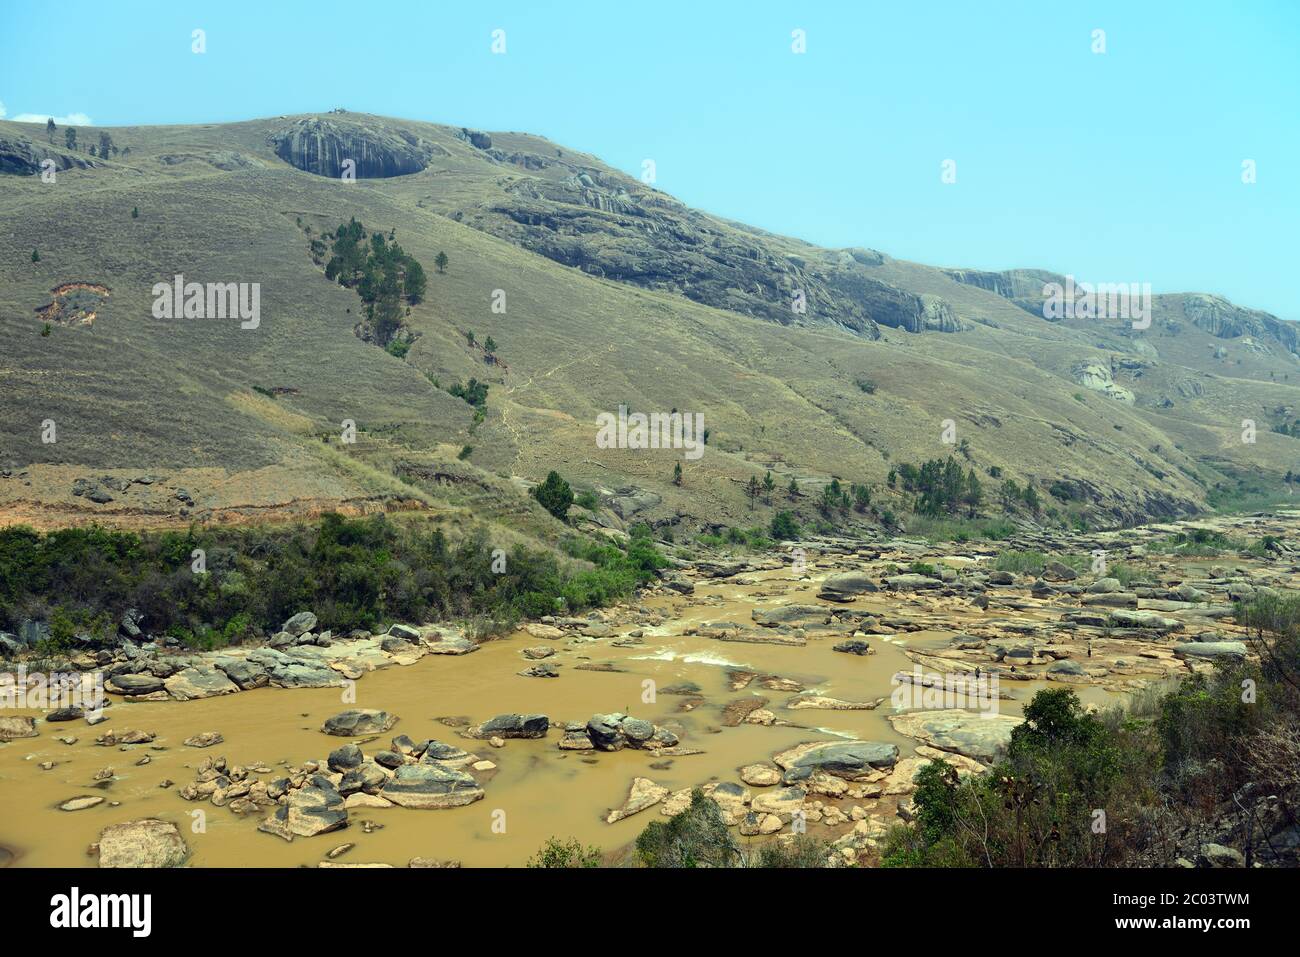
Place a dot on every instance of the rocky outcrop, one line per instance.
(1223, 320)
(323, 146)
(20, 156)
(1095, 375)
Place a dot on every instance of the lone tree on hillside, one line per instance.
(677, 474)
(36, 255)
(106, 147)
(49, 129)
(555, 495)
(792, 490)
(441, 261)
(753, 489)
(70, 137)
(769, 484)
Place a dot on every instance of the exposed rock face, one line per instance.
(616, 228)
(323, 146)
(1223, 320)
(1097, 376)
(20, 156)
(1024, 287)
(144, 843)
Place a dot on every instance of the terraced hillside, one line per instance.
(597, 291)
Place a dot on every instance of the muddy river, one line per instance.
(537, 790)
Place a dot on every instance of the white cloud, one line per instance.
(72, 119)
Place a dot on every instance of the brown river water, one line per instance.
(538, 791)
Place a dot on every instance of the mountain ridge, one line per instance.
(617, 294)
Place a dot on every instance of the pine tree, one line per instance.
(677, 474)
(489, 345)
(441, 261)
(70, 137)
(49, 129)
(135, 212)
(769, 484)
(414, 281)
(36, 256)
(753, 489)
(792, 490)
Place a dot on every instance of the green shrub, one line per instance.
(565, 854)
(555, 495)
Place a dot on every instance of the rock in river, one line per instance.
(846, 586)
(359, 721)
(970, 733)
(145, 843)
(15, 726)
(844, 759)
(428, 786)
(644, 793)
(512, 726)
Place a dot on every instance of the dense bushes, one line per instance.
(1070, 792)
(353, 573)
(1118, 789)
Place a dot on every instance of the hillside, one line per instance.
(615, 294)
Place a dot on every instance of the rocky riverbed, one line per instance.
(802, 687)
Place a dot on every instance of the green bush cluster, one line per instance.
(381, 272)
(353, 573)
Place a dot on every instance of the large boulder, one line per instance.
(204, 681)
(316, 808)
(299, 624)
(846, 586)
(979, 735)
(15, 726)
(643, 794)
(430, 786)
(134, 684)
(358, 721)
(911, 581)
(144, 843)
(1232, 650)
(513, 726)
(844, 759)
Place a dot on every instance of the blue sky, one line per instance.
(1122, 166)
